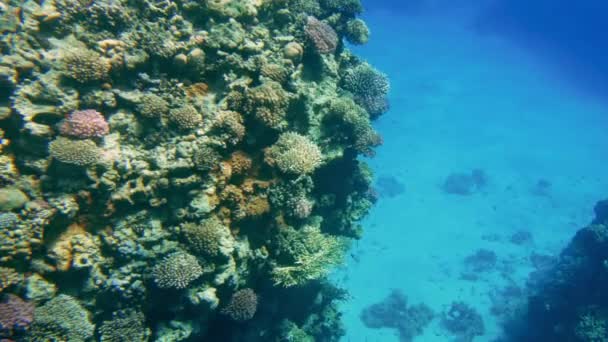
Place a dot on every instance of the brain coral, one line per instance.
(85, 66)
(186, 117)
(85, 124)
(177, 271)
(322, 36)
(242, 305)
(75, 152)
(294, 153)
(62, 318)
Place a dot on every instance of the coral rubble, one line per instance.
(181, 170)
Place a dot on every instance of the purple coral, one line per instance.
(85, 124)
(242, 306)
(15, 314)
(323, 36)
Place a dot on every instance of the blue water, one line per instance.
(515, 89)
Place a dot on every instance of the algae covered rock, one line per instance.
(12, 198)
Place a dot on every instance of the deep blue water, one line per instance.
(516, 89)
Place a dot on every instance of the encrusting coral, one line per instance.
(180, 170)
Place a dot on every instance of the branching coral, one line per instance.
(76, 152)
(310, 255)
(85, 124)
(295, 154)
(209, 238)
(177, 271)
(370, 88)
(242, 305)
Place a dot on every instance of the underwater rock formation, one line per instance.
(465, 183)
(182, 170)
(567, 301)
(394, 312)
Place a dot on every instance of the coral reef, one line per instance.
(393, 312)
(164, 165)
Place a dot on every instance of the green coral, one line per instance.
(75, 152)
(62, 318)
(125, 326)
(177, 271)
(311, 254)
(294, 154)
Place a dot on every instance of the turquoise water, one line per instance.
(464, 100)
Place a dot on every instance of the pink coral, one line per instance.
(85, 124)
(322, 35)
